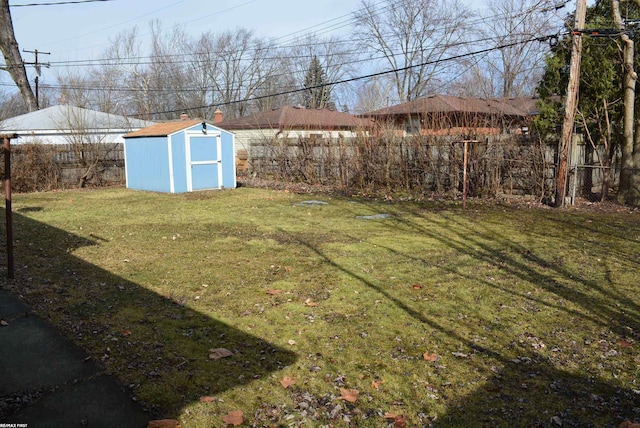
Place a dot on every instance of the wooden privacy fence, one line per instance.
(497, 165)
(42, 167)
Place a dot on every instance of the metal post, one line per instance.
(7, 192)
(575, 185)
(464, 174)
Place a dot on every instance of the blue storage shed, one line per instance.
(178, 157)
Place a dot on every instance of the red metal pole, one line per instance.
(464, 175)
(7, 192)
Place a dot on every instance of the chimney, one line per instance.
(184, 116)
(217, 116)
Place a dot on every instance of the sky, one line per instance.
(82, 31)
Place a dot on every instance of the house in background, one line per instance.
(180, 156)
(84, 147)
(292, 123)
(67, 124)
(445, 115)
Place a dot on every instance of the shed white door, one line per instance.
(204, 162)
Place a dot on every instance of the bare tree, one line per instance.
(90, 142)
(336, 58)
(411, 38)
(115, 86)
(167, 71)
(374, 94)
(129, 77)
(11, 105)
(518, 64)
(243, 64)
(74, 88)
(12, 58)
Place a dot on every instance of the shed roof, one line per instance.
(163, 129)
(297, 118)
(64, 117)
(520, 106)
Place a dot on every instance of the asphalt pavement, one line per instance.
(48, 381)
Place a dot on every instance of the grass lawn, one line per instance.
(341, 311)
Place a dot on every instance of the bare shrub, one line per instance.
(423, 164)
(33, 168)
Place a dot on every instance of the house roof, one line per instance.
(163, 129)
(521, 106)
(63, 117)
(296, 118)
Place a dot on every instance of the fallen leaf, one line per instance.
(4, 323)
(164, 423)
(291, 342)
(234, 418)
(625, 343)
(376, 384)
(388, 415)
(217, 353)
(274, 292)
(417, 286)
(308, 302)
(287, 269)
(400, 422)
(431, 357)
(126, 333)
(207, 399)
(629, 424)
(287, 381)
(350, 395)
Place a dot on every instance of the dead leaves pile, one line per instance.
(340, 406)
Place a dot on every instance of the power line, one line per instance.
(353, 79)
(289, 40)
(187, 60)
(94, 87)
(58, 3)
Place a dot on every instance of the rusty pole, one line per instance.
(7, 192)
(464, 174)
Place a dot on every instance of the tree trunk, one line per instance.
(12, 58)
(629, 181)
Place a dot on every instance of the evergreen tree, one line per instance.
(317, 93)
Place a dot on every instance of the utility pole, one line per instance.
(571, 103)
(37, 65)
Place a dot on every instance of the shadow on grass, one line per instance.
(523, 388)
(154, 345)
